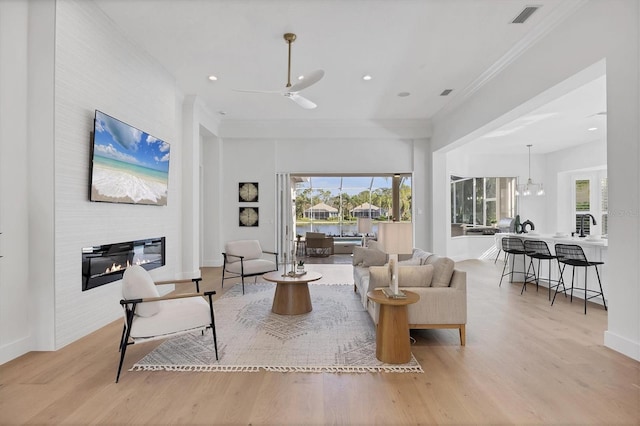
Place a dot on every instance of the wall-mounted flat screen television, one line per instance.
(128, 165)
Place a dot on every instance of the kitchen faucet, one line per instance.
(582, 217)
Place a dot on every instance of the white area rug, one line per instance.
(336, 336)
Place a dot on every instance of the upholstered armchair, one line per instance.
(319, 244)
(149, 316)
(245, 258)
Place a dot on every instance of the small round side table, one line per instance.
(392, 333)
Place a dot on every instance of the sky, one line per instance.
(119, 141)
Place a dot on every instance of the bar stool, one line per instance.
(573, 255)
(539, 250)
(499, 247)
(512, 246)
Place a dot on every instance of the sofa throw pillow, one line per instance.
(415, 276)
(421, 255)
(368, 257)
(373, 244)
(379, 276)
(442, 270)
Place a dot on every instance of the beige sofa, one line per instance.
(442, 288)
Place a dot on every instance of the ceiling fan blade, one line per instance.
(312, 78)
(303, 102)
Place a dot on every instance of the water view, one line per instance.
(346, 229)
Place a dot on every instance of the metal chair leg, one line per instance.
(586, 269)
(558, 286)
(601, 292)
(513, 264)
(503, 269)
(524, 284)
(573, 274)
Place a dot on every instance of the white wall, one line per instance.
(601, 29)
(210, 190)
(258, 160)
(15, 333)
(97, 68)
(66, 59)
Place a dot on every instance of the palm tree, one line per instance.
(405, 202)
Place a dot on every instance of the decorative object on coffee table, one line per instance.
(392, 332)
(292, 292)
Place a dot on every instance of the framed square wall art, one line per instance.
(248, 216)
(248, 192)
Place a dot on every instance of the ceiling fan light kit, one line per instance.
(293, 91)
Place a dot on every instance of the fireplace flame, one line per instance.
(118, 267)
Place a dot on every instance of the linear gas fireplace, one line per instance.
(106, 263)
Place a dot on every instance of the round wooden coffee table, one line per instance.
(292, 293)
(392, 332)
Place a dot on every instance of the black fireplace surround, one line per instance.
(106, 263)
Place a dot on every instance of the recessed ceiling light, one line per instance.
(366, 77)
(213, 78)
(301, 77)
(591, 129)
(403, 94)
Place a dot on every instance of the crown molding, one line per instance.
(546, 25)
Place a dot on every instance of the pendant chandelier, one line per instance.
(524, 190)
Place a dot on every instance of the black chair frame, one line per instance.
(540, 250)
(130, 309)
(573, 255)
(513, 247)
(242, 274)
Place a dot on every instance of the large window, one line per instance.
(590, 197)
(332, 204)
(482, 201)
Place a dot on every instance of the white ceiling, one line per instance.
(574, 118)
(416, 46)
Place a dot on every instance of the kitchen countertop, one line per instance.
(565, 239)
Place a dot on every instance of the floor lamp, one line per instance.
(364, 227)
(396, 238)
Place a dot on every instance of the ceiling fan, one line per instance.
(292, 91)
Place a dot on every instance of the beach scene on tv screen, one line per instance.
(129, 165)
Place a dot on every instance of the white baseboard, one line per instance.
(15, 349)
(622, 344)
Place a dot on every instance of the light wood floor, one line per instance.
(525, 363)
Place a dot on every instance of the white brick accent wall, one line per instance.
(96, 67)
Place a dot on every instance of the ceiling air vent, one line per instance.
(446, 92)
(525, 14)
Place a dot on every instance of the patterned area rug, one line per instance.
(338, 335)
